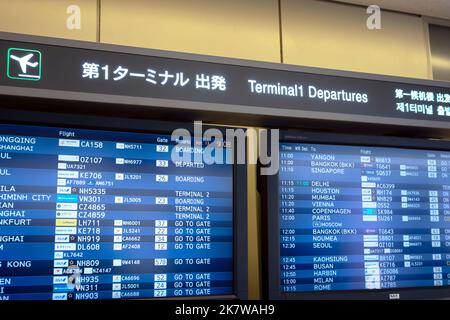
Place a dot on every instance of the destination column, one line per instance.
(320, 243)
(27, 180)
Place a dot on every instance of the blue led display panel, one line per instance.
(93, 214)
(363, 218)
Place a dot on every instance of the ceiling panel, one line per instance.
(440, 52)
(232, 28)
(334, 36)
(431, 8)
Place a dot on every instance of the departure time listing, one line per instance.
(356, 218)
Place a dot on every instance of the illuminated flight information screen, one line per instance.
(356, 218)
(90, 214)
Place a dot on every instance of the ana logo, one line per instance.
(23, 64)
(394, 296)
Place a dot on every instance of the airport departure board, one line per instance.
(108, 74)
(363, 218)
(93, 214)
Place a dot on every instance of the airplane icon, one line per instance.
(24, 64)
(25, 61)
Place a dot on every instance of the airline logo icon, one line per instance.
(60, 280)
(60, 296)
(394, 296)
(23, 64)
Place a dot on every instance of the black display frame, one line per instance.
(270, 237)
(258, 113)
(123, 124)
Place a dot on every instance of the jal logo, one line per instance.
(24, 64)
